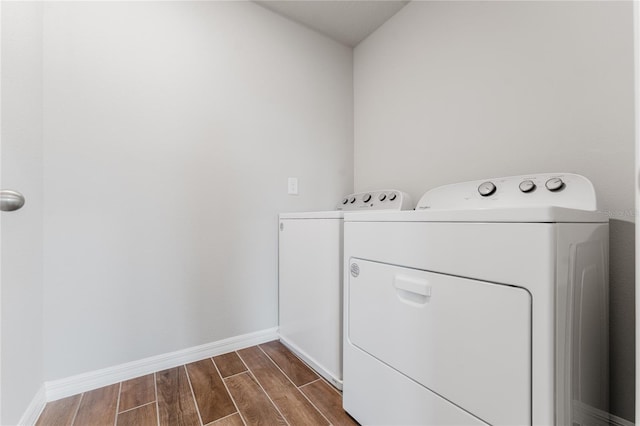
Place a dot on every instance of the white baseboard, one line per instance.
(34, 409)
(57, 389)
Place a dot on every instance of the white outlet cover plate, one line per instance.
(292, 186)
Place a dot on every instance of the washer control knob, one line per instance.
(554, 184)
(345, 201)
(393, 196)
(527, 186)
(382, 197)
(486, 188)
(366, 198)
(352, 200)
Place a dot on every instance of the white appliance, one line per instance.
(310, 279)
(486, 305)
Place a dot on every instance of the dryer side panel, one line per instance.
(582, 328)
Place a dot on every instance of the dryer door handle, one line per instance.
(412, 285)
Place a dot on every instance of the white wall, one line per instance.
(170, 129)
(455, 91)
(21, 231)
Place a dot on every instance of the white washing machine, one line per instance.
(486, 305)
(310, 279)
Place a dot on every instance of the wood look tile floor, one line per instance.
(261, 385)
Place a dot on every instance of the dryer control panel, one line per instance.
(538, 190)
(389, 199)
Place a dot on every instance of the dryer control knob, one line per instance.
(352, 200)
(486, 188)
(382, 197)
(393, 196)
(527, 186)
(554, 184)
(366, 198)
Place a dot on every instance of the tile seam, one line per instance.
(294, 385)
(155, 387)
(264, 390)
(193, 394)
(296, 357)
(75, 414)
(115, 418)
(136, 407)
(228, 393)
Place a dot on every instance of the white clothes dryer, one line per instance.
(486, 305)
(310, 279)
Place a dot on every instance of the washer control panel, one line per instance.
(389, 199)
(539, 190)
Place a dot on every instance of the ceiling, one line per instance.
(346, 21)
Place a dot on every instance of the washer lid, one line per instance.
(549, 214)
(313, 215)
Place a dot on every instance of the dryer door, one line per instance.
(468, 341)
